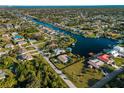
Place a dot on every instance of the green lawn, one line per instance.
(82, 77)
(119, 61)
(60, 65)
(30, 48)
(27, 44)
(90, 36)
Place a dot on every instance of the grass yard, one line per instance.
(119, 61)
(90, 35)
(82, 77)
(61, 65)
(30, 48)
(27, 44)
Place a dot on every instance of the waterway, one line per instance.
(83, 45)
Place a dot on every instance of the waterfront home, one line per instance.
(59, 51)
(95, 63)
(114, 53)
(119, 49)
(2, 75)
(63, 58)
(121, 41)
(105, 58)
(9, 46)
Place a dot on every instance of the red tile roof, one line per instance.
(104, 57)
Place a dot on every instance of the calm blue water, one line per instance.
(83, 46)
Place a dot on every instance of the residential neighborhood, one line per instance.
(61, 48)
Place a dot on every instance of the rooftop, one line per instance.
(104, 57)
(63, 58)
(2, 74)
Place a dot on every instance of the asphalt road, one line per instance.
(109, 77)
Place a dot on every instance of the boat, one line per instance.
(73, 44)
(91, 53)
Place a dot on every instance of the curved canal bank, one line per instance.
(83, 45)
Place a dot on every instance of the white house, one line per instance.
(119, 49)
(59, 51)
(9, 46)
(63, 58)
(96, 63)
(114, 53)
(2, 75)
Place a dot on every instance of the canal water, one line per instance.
(84, 45)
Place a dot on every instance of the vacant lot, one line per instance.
(81, 76)
(119, 61)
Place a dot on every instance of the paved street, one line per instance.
(27, 52)
(59, 72)
(109, 77)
